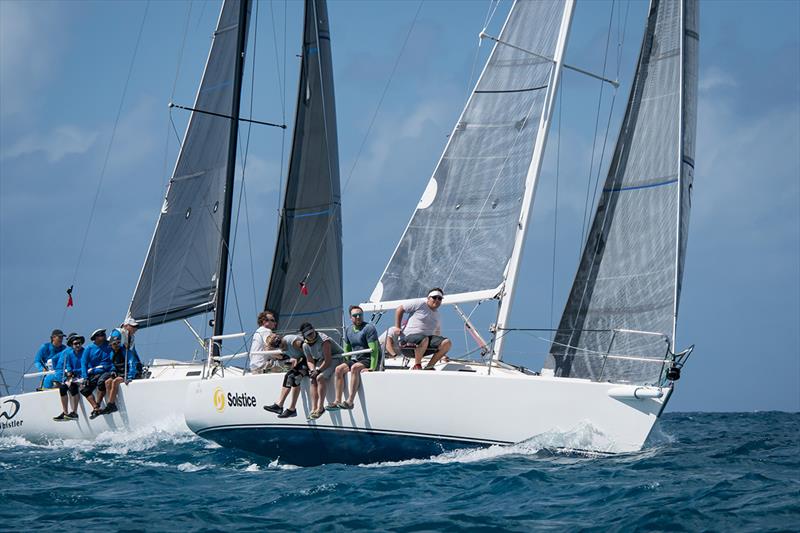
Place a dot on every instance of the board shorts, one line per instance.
(101, 381)
(434, 341)
(294, 376)
(366, 361)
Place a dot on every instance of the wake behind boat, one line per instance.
(612, 363)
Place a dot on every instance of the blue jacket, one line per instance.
(68, 361)
(46, 351)
(118, 362)
(95, 356)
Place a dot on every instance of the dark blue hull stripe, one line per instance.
(324, 444)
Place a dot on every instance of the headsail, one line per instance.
(630, 272)
(179, 276)
(306, 280)
(463, 231)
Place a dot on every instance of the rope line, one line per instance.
(108, 152)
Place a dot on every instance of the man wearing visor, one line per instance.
(424, 328)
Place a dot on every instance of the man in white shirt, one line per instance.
(424, 327)
(260, 363)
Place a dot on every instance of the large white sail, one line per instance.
(625, 296)
(463, 231)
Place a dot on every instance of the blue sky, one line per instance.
(63, 67)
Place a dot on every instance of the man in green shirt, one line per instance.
(359, 336)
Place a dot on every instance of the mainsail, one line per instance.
(306, 280)
(179, 276)
(463, 232)
(624, 299)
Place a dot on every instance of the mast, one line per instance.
(225, 231)
(531, 180)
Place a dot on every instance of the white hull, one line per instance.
(401, 414)
(142, 403)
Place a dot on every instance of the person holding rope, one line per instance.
(67, 375)
(292, 347)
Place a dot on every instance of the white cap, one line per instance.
(130, 321)
(435, 293)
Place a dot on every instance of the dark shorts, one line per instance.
(63, 388)
(295, 376)
(434, 341)
(89, 384)
(364, 361)
(101, 381)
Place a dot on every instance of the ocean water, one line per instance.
(699, 471)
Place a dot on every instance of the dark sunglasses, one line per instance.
(436, 297)
(357, 315)
(270, 319)
(75, 343)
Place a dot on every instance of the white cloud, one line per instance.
(714, 78)
(55, 144)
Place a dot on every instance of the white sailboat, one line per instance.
(612, 365)
(185, 271)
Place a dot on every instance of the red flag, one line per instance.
(303, 288)
(69, 296)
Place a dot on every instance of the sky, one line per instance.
(63, 94)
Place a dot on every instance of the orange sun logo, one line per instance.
(219, 399)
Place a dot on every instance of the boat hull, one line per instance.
(142, 404)
(401, 414)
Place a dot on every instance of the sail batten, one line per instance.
(306, 279)
(179, 275)
(625, 295)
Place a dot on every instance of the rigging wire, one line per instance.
(594, 136)
(282, 90)
(555, 211)
(108, 151)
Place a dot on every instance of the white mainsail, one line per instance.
(465, 228)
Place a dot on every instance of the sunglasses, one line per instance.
(270, 319)
(439, 298)
(77, 343)
(357, 315)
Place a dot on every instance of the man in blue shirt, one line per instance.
(46, 355)
(67, 372)
(359, 336)
(96, 367)
(126, 367)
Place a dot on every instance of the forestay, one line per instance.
(631, 268)
(306, 280)
(462, 233)
(179, 275)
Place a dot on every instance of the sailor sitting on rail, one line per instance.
(126, 366)
(323, 355)
(292, 347)
(96, 369)
(67, 374)
(359, 336)
(260, 363)
(47, 353)
(424, 327)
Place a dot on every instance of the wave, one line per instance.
(569, 443)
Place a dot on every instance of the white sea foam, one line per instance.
(585, 436)
(189, 467)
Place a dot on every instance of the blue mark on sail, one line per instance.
(314, 214)
(634, 187)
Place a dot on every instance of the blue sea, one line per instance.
(699, 471)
